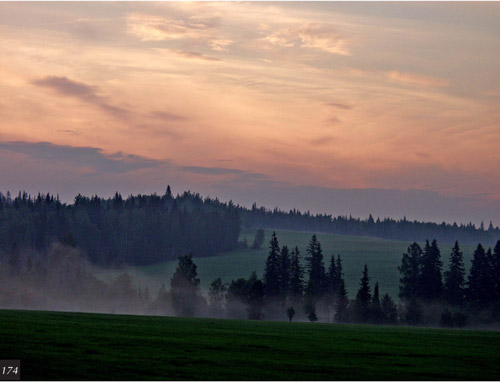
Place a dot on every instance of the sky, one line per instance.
(334, 107)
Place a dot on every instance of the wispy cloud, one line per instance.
(88, 93)
(92, 159)
(323, 37)
(417, 79)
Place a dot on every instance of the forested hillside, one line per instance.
(145, 229)
(139, 230)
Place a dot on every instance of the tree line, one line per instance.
(146, 229)
(386, 228)
(138, 230)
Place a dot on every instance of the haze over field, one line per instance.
(334, 107)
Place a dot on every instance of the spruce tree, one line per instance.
(375, 307)
(284, 276)
(272, 271)
(454, 277)
(296, 276)
(259, 239)
(430, 284)
(333, 279)
(495, 268)
(317, 277)
(341, 303)
(410, 272)
(363, 297)
(389, 310)
(477, 292)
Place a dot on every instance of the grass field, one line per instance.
(382, 257)
(76, 346)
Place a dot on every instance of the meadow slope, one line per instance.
(381, 256)
(76, 346)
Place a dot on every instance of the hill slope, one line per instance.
(382, 257)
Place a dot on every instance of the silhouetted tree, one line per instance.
(454, 277)
(430, 282)
(375, 307)
(310, 310)
(273, 268)
(341, 303)
(284, 272)
(316, 285)
(479, 283)
(296, 276)
(363, 298)
(184, 287)
(217, 295)
(259, 239)
(410, 272)
(290, 312)
(389, 310)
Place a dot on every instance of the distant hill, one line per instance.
(147, 229)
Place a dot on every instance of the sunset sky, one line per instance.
(389, 108)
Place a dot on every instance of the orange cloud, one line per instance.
(416, 79)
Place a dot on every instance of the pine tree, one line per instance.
(342, 303)
(363, 297)
(455, 277)
(317, 277)
(296, 276)
(410, 272)
(272, 271)
(430, 284)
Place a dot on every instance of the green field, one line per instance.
(382, 257)
(76, 346)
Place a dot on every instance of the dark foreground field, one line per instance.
(77, 346)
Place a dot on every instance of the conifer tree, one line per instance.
(333, 279)
(430, 283)
(259, 239)
(496, 272)
(296, 276)
(478, 290)
(389, 310)
(284, 276)
(272, 271)
(317, 277)
(341, 303)
(455, 277)
(375, 307)
(363, 297)
(410, 272)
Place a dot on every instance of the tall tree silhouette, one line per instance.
(184, 287)
(410, 272)
(363, 297)
(272, 270)
(454, 277)
(296, 276)
(317, 277)
(430, 281)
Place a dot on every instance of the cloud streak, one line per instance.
(87, 93)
